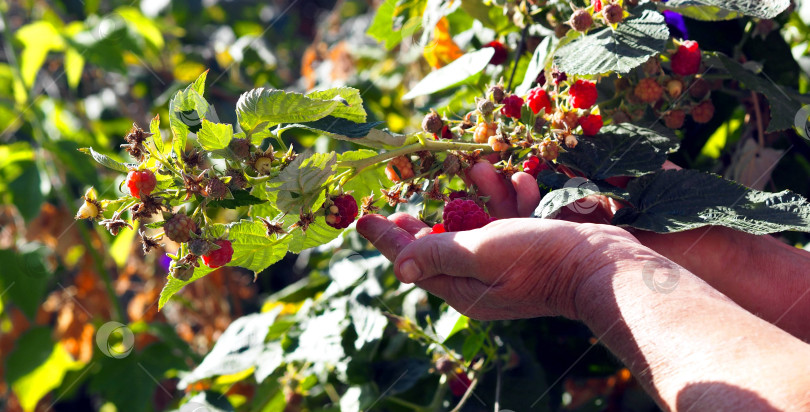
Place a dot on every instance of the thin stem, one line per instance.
(467, 394)
(518, 54)
(430, 145)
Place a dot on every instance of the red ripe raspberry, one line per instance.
(399, 168)
(511, 106)
(458, 383)
(686, 61)
(342, 212)
(460, 215)
(179, 228)
(703, 112)
(673, 119)
(500, 52)
(437, 228)
(141, 183)
(591, 124)
(219, 257)
(446, 133)
(582, 94)
(648, 90)
(538, 100)
(597, 5)
(532, 166)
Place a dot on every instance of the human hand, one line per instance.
(511, 268)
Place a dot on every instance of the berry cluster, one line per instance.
(672, 93)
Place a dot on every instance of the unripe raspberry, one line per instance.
(485, 107)
(560, 31)
(498, 143)
(483, 131)
(238, 180)
(179, 228)
(511, 106)
(549, 150)
(591, 124)
(703, 112)
(673, 119)
(216, 189)
(240, 148)
(674, 88)
(621, 117)
(432, 123)
(532, 166)
(571, 141)
(648, 90)
(564, 120)
(581, 20)
(613, 13)
(686, 61)
(539, 122)
(141, 183)
(501, 53)
(538, 99)
(181, 272)
(341, 212)
(399, 168)
(219, 257)
(460, 215)
(199, 246)
(90, 209)
(582, 94)
(699, 88)
(497, 93)
(263, 165)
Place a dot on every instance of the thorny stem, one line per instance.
(430, 145)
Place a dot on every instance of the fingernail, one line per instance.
(409, 271)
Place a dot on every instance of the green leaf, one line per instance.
(633, 42)
(368, 322)
(105, 160)
(157, 139)
(560, 198)
(317, 234)
(449, 323)
(252, 248)
(74, 67)
(300, 183)
(25, 275)
(214, 136)
(472, 345)
(623, 150)
(240, 198)
(38, 39)
(453, 74)
(382, 27)
(25, 190)
(187, 109)
(677, 200)
(173, 285)
(261, 108)
(538, 62)
(351, 104)
(783, 102)
(37, 366)
(236, 349)
(369, 180)
(727, 9)
(361, 133)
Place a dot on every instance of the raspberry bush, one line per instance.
(254, 168)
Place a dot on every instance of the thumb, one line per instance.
(450, 254)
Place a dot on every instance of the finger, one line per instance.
(412, 225)
(502, 199)
(386, 236)
(463, 294)
(444, 253)
(528, 193)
